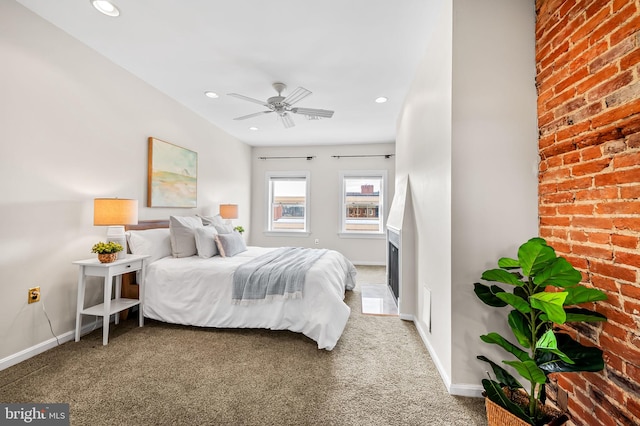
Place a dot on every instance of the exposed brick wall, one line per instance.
(588, 78)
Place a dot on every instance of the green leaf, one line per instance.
(542, 394)
(508, 263)
(503, 376)
(520, 328)
(521, 292)
(581, 294)
(560, 274)
(496, 394)
(501, 276)
(548, 343)
(517, 302)
(496, 339)
(535, 256)
(551, 304)
(488, 294)
(583, 315)
(529, 370)
(539, 241)
(585, 358)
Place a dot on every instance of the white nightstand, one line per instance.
(93, 268)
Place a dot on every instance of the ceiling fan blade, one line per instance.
(297, 95)
(246, 98)
(312, 112)
(255, 114)
(287, 121)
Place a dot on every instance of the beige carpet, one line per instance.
(379, 374)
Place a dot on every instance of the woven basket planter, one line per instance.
(498, 416)
(107, 257)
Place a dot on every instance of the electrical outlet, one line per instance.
(34, 295)
(317, 241)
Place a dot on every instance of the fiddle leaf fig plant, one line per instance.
(542, 290)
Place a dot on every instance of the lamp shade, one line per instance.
(115, 211)
(229, 211)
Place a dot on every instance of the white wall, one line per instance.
(467, 139)
(324, 195)
(74, 126)
(495, 161)
(423, 146)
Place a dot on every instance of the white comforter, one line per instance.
(196, 291)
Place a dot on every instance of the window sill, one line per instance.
(364, 235)
(286, 234)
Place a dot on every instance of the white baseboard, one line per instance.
(443, 374)
(51, 343)
(466, 389)
(460, 389)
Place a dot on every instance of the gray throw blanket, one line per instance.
(278, 274)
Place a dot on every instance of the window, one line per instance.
(288, 200)
(362, 205)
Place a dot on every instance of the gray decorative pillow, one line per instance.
(206, 241)
(223, 229)
(211, 220)
(230, 244)
(182, 233)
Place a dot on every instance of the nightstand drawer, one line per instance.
(134, 265)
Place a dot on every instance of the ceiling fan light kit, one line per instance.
(283, 105)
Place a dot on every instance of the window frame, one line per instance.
(284, 175)
(344, 175)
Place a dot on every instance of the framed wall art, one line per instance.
(172, 175)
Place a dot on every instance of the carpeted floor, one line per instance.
(161, 374)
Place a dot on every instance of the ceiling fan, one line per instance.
(283, 105)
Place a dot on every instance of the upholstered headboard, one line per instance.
(148, 224)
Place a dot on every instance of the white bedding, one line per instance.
(197, 291)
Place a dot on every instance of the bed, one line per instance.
(198, 290)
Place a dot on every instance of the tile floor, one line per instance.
(377, 299)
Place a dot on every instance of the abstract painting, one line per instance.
(172, 175)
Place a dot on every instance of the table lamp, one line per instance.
(115, 213)
(229, 211)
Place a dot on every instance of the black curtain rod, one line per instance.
(360, 156)
(309, 157)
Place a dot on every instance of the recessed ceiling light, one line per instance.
(212, 95)
(105, 7)
(254, 128)
(381, 100)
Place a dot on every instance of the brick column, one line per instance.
(588, 79)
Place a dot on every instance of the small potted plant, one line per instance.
(544, 291)
(239, 229)
(107, 252)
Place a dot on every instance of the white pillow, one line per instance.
(206, 241)
(230, 244)
(153, 242)
(212, 220)
(182, 233)
(216, 221)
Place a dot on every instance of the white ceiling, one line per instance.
(347, 52)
